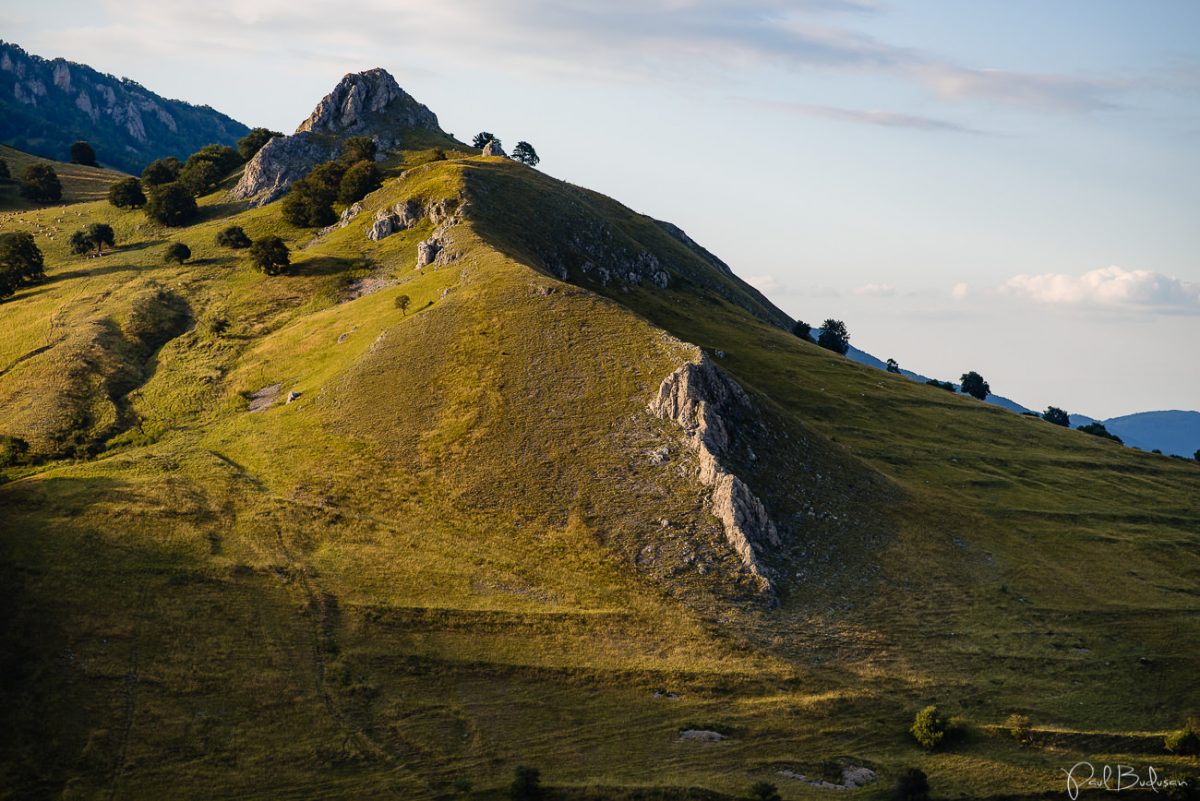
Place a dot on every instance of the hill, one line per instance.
(583, 503)
(45, 106)
(80, 184)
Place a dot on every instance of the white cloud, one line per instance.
(876, 290)
(1109, 286)
(960, 291)
(765, 283)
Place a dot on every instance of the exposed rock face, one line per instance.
(427, 252)
(400, 217)
(701, 399)
(363, 104)
(492, 148)
(596, 250)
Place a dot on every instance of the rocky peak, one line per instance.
(367, 103)
(364, 101)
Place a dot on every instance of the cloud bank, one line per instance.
(1109, 287)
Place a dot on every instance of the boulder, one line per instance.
(492, 148)
(427, 252)
(383, 226)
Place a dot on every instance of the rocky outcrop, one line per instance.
(401, 217)
(703, 401)
(367, 103)
(492, 148)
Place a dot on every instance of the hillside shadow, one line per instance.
(91, 272)
(328, 265)
(142, 245)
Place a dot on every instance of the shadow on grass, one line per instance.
(91, 272)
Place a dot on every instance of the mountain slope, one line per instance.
(80, 184)
(1172, 432)
(477, 537)
(47, 105)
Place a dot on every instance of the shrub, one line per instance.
(82, 153)
(358, 148)
(802, 330)
(4, 171)
(96, 235)
(929, 728)
(223, 157)
(307, 205)
(1019, 727)
(912, 785)
(764, 791)
(171, 204)
(525, 154)
(359, 180)
(972, 383)
(834, 336)
(177, 252)
(40, 184)
(200, 176)
(127, 194)
(162, 171)
(946, 385)
(402, 303)
(526, 785)
(252, 142)
(1185, 742)
(233, 237)
(270, 256)
(21, 261)
(1098, 430)
(13, 451)
(1057, 416)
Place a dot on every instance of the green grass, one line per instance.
(445, 557)
(80, 184)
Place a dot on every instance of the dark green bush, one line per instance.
(13, 451)
(40, 184)
(162, 171)
(233, 237)
(526, 785)
(912, 785)
(171, 204)
(270, 256)
(177, 252)
(764, 791)
(127, 194)
(360, 179)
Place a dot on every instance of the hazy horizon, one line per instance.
(1008, 188)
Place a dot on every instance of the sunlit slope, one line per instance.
(79, 182)
(454, 551)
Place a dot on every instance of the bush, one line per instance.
(1185, 742)
(946, 385)
(96, 236)
(233, 237)
(13, 451)
(4, 171)
(929, 728)
(1057, 416)
(252, 142)
(358, 148)
(1019, 727)
(177, 252)
(802, 330)
(162, 171)
(309, 203)
(525, 154)
(40, 184)
(1196, 456)
(526, 785)
(82, 153)
(893, 366)
(402, 303)
(972, 383)
(912, 785)
(21, 262)
(834, 336)
(270, 256)
(200, 176)
(764, 791)
(223, 157)
(359, 180)
(171, 204)
(1098, 430)
(127, 194)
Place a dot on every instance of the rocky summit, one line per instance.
(367, 103)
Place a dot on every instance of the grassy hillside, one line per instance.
(454, 551)
(80, 184)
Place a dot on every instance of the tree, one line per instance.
(162, 171)
(233, 237)
(893, 366)
(912, 785)
(834, 336)
(101, 234)
(177, 252)
(402, 302)
(359, 180)
(1057, 416)
(527, 784)
(1098, 430)
(308, 205)
(802, 330)
(5, 175)
(1196, 456)
(223, 156)
(13, 450)
(252, 142)
(328, 176)
(929, 728)
(525, 154)
(200, 176)
(481, 139)
(79, 243)
(972, 383)
(82, 153)
(946, 385)
(171, 204)
(359, 148)
(1019, 727)
(270, 256)
(21, 262)
(764, 791)
(40, 184)
(127, 194)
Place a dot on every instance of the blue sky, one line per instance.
(1009, 187)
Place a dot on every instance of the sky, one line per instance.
(1005, 186)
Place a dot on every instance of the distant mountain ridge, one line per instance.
(45, 105)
